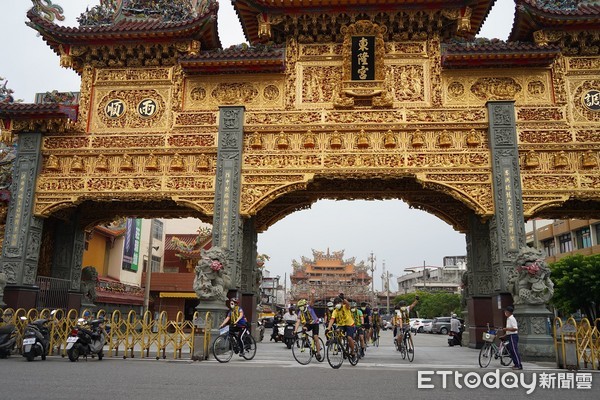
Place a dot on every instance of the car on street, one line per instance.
(416, 325)
(442, 325)
(426, 325)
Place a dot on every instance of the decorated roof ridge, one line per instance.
(26, 110)
(483, 45)
(128, 29)
(348, 4)
(240, 51)
(564, 7)
(110, 11)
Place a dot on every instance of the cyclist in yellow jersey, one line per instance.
(358, 323)
(342, 317)
(328, 313)
(402, 318)
(310, 322)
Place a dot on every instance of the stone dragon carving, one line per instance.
(212, 276)
(531, 284)
(89, 279)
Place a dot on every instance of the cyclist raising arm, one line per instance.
(342, 317)
(402, 317)
(237, 322)
(310, 322)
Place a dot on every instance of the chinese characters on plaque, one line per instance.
(363, 58)
(116, 108)
(591, 100)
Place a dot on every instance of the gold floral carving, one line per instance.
(583, 64)
(133, 75)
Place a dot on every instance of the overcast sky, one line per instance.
(393, 232)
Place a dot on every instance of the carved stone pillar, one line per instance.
(228, 228)
(227, 222)
(250, 272)
(507, 230)
(69, 241)
(479, 281)
(23, 235)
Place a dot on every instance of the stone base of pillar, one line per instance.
(20, 296)
(535, 340)
(87, 305)
(466, 335)
(480, 314)
(249, 306)
(74, 301)
(218, 310)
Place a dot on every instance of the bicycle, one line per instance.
(490, 349)
(338, 349)
(304, 349)
(376, 337)
(406, 347)
(226, 344)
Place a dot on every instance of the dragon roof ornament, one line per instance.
(109, 12)
(48, 10)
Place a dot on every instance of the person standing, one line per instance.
(456, 331)
(512, 332)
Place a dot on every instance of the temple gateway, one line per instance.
(335, 99)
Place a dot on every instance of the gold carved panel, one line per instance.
(476, 88)
(253, 91)
(583, 64)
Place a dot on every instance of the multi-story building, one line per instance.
(327, 275)
(272, 294)
(446, 278)
(560, 238)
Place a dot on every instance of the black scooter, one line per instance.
(84, 342)
(289, 337)
(8, 339)
(454, 339)
(36, 339)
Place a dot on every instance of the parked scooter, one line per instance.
(8, 339)
(84, 342)
(289, 336)
(36, 339)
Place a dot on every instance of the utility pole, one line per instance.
(372, 260)
(424, 278)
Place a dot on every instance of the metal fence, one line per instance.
(53, 293)
(577, 343)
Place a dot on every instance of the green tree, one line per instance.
(432, 304)
(577, 284)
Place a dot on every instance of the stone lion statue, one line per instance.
(531, 283)
(89, 278)
(212, 279)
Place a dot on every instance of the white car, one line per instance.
(416, 325)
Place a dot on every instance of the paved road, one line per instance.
(274, 374)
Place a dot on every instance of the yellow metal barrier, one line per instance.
(577, 344)
(127, 336)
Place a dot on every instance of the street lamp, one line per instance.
(372, 259)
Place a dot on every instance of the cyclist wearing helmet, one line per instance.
(402, 319)
(237, 321)
(310, 322)
(328, 313)
(375, 323)
(342, 317)
(358, 316)
(366, 310)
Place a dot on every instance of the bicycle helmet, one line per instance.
(330, 304)
(301, 303)
(402, 303)
(353, 304)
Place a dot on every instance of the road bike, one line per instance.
(226, 344)
(305, 348)
(375, 337)
(406, 347)
(338, 349)
(490, 349)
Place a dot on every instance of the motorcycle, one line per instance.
(36, 339)
(85, 342)
(289, 336)
(278, 332)
(8, 339)
(454, 339)
(261, 330)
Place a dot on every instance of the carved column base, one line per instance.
(87, 305)
(20, 296)
(535, 340)
(480, 313)
(74, 301)
(218, 311)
